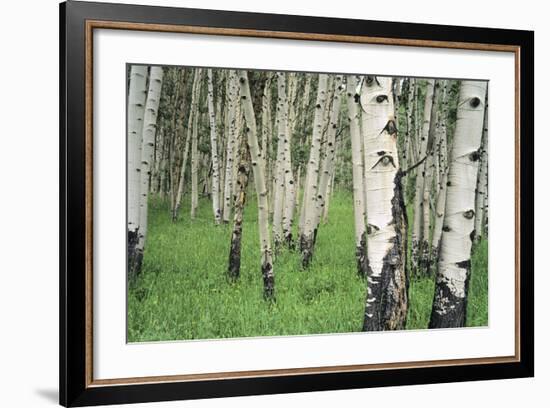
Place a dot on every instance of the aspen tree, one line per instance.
(260, 185)
(214, 152)
(310, 188)
(327, 164)
(429, 170)
(453, 274)
(231, 129)
(282, 140)
(194, 144)
(136, 109)
(358, 175)
(290, 190)
(178, 76)
(442, 186)
(416, 235)
(387, 280)
(481, 190)
(234, 266)
(186, 145)
(149, 130)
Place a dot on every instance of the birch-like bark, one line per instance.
(136, 109)
(261, 190)
(387, 280)
(232, 95)
(442, 186)
(358, 175)
(149, 130)
(282, 140)
(481, 190)
(185, 147)
(214, 152)
(453, 275)
(429, 170)
(266, 131)
(194, 144)
(290, 192)
(416, 235)
(330, 190)
(310, 189)
(234, 266)
(327, 163)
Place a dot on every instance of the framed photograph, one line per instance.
(256, 203)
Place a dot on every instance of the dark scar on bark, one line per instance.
(387, 159)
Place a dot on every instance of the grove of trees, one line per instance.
(278, 147)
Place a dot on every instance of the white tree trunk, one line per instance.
(310, 189)
(149, 131)
(261, 191)
(416, 235)
(429, 170)
(214, 152)
(232, 95)
(443, 169)
(194, 144)
(387, 300)
(234, 267)
(453, 275)
(136, 108)
(290, 192)
(327, 164)
(481, 191)
(282, 140)
(358, 175)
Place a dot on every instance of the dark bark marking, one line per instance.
(390, 289)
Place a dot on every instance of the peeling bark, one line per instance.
(387, 280)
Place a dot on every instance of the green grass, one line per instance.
(183, 293)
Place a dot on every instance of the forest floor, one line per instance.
(183, 293)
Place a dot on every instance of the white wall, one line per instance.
(29, 205)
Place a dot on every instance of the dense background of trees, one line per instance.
(411, 152)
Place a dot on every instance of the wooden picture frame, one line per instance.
(78, 20)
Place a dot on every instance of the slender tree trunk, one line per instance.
(290, 191)
(194, 145)
(186, 144)
(481, 190)
(310, 189)
(429, 170)
(442, 185)
(327, 164)
(358, 176)
(282, 141)
(416, 235)
(214, 152)
(453, 275)
(240, 200)
(387, 280)
(136, 109)
(267, 134)
(149, 130)
(261, 191)
(328, 196)
(232, 95)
